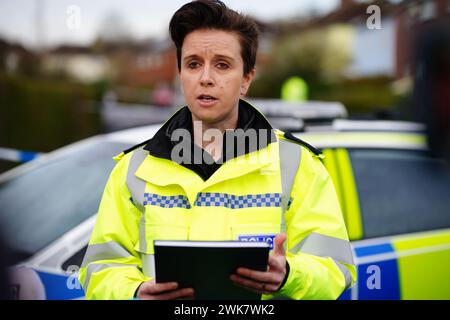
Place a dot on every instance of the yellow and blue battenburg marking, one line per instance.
(377, 274)
(60, 287)
(423, 262)
(378, 260)
(410, 266)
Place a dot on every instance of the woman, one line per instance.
(182, 184)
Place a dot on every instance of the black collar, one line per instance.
(249, 117)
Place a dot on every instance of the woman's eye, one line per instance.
(222, 66)
(193, 65)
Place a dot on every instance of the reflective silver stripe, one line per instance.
(290, 156)
(148, 265)
(346, 273)
(325, 246)
(142, 234)
(135, 185)
(99, 267)
(104, 251)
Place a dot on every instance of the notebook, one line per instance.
(207, 266)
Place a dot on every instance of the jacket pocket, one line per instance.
(148, 233)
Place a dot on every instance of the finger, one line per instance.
(248, 285)
(279, 244)
(246, 282)
(156, 288)
(260, 276)
(275, 264)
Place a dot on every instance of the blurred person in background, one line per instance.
(432, 87)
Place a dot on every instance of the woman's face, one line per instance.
(212, 75)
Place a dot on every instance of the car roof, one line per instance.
(134, 135)
(368, 140)
(127, 137)
(376, 134)
(306, 111)
(340, 134)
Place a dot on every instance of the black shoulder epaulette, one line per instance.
(314, 150)
(136, 146)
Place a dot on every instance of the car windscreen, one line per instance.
(53, 197)
(401, 191)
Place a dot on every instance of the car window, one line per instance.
(75, 260)
(401, 191)
(47, 201)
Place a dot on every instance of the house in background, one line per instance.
(78, 63)
(15, 58)
(389, 50)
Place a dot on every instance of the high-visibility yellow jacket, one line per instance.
(244, 198)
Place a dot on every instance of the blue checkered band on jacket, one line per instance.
(166, 201)
(231, 201)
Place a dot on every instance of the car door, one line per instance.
(48, 211)
(396, 204)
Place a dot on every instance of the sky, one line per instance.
(48, 23)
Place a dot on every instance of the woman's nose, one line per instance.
(206, 78)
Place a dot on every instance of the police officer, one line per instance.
(217, 170)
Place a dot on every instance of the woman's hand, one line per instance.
(163, 291)
(269, 281)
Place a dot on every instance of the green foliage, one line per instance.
(43, 114)
(360, 96)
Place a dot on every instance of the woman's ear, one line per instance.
(247, 80)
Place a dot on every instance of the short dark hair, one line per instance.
(214, 14)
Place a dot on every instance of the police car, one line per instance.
(395, 200)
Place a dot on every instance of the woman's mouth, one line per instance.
(206, 100)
